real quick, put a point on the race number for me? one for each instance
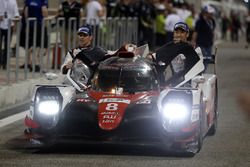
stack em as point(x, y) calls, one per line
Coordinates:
point(112, 106)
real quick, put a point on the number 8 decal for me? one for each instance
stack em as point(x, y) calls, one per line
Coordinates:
point(112, 106)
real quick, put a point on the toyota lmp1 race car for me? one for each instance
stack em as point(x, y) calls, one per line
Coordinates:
point(123, 103)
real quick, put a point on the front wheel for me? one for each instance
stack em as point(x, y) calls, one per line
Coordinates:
point(213, 128)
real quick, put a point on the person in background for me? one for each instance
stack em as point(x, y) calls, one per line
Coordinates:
point(224, 26)
point(235, 27)
point(190, 21)
point(69, 9)
point(95, 10)
point(124, 8)
point(110, 6)
point(203, 35)
point(146, 13)
point(248, 30)
point(34, 9)
point(9, 11)
point(88, 54)
point(171, 19)
point(161, 34)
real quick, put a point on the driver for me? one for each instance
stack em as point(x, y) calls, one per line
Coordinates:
point(88, 54)
point(179, 54)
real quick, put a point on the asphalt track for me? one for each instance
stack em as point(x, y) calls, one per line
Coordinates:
point(230, 147)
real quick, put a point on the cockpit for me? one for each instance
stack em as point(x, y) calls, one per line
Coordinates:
point(127, 73)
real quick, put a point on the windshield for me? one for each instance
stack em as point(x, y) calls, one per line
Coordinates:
point(80, 73)
point(130, 80)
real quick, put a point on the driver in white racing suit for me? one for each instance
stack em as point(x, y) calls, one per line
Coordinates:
point(88, 54)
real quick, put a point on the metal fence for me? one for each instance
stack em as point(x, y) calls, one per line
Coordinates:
point(110, 34)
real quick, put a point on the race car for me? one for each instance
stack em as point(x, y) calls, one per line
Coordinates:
point(122, 102)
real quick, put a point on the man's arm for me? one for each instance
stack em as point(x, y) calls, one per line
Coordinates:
point(67, 64)
point(166, 54)
point(101, 9)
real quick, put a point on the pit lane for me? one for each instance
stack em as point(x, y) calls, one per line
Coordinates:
point(230, 147)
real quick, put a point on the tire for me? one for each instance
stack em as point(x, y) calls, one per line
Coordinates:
point(199, 138)
point(200, 134)
point(213, 128)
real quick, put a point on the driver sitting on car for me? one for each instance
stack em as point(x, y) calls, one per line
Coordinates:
point(88, 54)
point(179, 54)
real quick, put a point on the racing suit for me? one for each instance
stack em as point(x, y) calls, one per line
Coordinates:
point(171, 51)
point(90, 56)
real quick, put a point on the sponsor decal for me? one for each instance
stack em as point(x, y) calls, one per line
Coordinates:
point(83, 100)
point(144, 101)
point(196, 106)
point(111, 111)
point(115, 100)
point(109, 117)
point(112, 95)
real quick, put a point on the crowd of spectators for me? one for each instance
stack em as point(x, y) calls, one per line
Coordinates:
point(156, 19)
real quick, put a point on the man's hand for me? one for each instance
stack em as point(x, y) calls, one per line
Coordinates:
point(151, 56)
point(69, 65)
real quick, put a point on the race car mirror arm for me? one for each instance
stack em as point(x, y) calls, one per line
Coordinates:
point(80, 88)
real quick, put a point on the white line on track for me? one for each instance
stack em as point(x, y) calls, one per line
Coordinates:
point(13, 118)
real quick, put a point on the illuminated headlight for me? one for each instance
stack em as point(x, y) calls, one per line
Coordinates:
point(175, 111)
point(50, 107)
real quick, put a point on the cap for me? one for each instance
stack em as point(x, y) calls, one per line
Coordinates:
point(86, 29)
point(208, 9)
point(181, 25)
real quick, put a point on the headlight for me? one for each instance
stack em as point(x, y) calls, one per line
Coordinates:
point(50, 107)
point(175, 111)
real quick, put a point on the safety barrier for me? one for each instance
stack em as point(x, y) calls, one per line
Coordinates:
point(110, 34)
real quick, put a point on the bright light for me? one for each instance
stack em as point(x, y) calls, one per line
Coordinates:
point(246, 1)
point(112, 91)
point(48, 107)
point(175, 111)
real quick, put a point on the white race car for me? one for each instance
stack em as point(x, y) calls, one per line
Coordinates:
point(124, 103)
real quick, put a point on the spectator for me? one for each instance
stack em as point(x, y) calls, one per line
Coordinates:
point(182, 11)
point(111, 5)
point(248, 30)
point(85, 52)
point(190, 20)
point(69, 9)
point(95, 10)
point(203, 35)
point(146, 13)
point(225, 26)
point(124, 8)
point(161, 34)
point(34, 9)
point(171, 19)
point(235, 27)
point(9, 11)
